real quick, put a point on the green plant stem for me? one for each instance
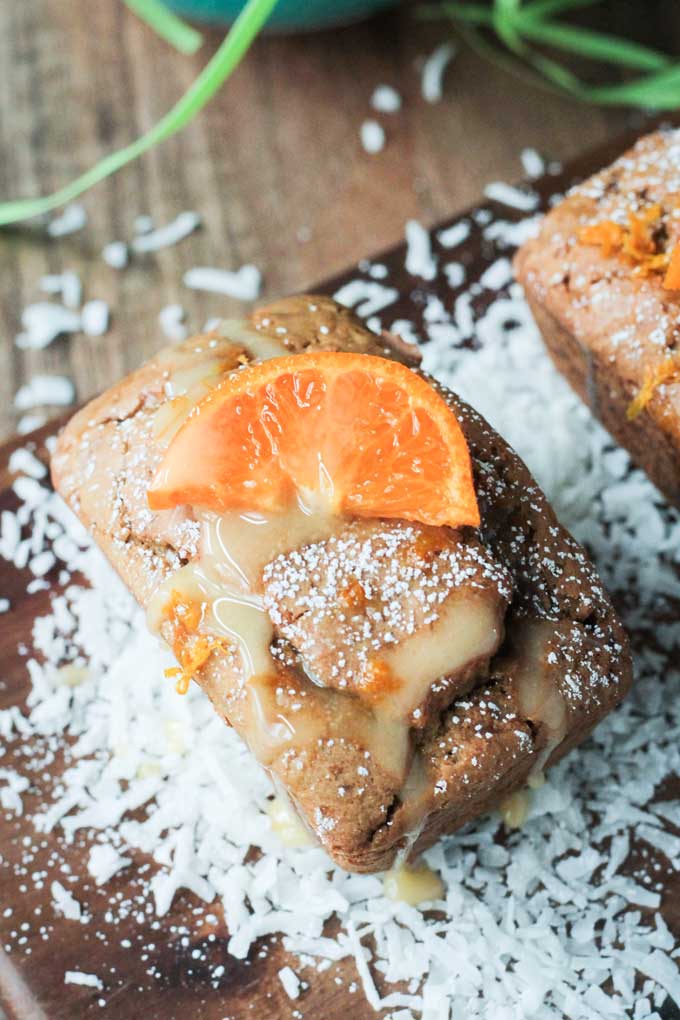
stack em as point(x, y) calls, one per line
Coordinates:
point(519, 25)
point(216, 71)
point(506, 15)
point(594, 45)
point(167, 25)
point(546, 8)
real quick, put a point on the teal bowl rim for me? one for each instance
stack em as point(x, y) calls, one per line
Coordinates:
point(288, 14)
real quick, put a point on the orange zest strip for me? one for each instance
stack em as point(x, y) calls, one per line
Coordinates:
point(667, 371)
point(192, 650)
point(639, 243)
point(635, 241)
point(348, 433)
point(671, 280)
point(607, 235)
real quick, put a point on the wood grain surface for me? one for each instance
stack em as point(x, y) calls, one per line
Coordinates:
point(274, 165)
point(32, 974)
point(275, 168)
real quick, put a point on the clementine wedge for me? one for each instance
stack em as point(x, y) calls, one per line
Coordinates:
point(354, 433)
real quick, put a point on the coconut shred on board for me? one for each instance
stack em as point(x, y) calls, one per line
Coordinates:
point(536, 925)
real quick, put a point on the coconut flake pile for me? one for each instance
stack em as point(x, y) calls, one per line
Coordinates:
point(557, 919)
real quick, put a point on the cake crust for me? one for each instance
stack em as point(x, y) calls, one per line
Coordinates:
point(479, 736)
point(607, 319)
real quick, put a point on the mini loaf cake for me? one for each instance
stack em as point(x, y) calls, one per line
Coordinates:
point(603, 282)
point(397, 679)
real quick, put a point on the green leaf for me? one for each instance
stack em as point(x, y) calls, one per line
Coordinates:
point(556, 73)
point(659, 91)
point(167, 25)
point(540, 9)
point(500, 58)
point(594, 45)
point(505, 17)
point(214, 74)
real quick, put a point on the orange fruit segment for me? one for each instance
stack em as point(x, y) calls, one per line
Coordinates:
point(353, 433)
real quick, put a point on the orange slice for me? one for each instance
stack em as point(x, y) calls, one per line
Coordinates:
point(353, 433)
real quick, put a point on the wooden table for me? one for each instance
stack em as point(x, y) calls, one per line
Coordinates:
point(274, 160)
point(274, 166)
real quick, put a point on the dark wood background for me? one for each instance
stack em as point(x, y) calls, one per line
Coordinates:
point(275, 154)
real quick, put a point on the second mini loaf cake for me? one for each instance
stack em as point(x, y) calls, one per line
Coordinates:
point(396, 679)
point(603, 282)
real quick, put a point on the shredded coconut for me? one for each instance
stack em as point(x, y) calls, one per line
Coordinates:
point(30, 422)
point(65, 903)
point(386, 99)
point(290, 982)
point(419, 258)
point(555, 919)
point(65, 285)
point(143, 224)
point(43, 322)
point(372, 136)
point(508, 195)
point(96, 316)
point(48, 390)
point(116, 254)
point(243, 284)
point(171, 320)
point(72, 219)
point(79, 977)
point(171, 233)
point(432, 78)
point(532, 162)
point(104, 862)
point(454, 235)
point(498, 275)
point(366, 297)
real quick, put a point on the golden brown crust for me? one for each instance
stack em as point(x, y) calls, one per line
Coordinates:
point(473, 752)
point(607, 321)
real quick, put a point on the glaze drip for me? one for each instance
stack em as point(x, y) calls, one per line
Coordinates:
point(410, 616)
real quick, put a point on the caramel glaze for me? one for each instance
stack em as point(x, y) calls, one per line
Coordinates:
point(367, 780)
point(282, 704)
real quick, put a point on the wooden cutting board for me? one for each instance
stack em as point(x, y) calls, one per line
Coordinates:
point(32, 974)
